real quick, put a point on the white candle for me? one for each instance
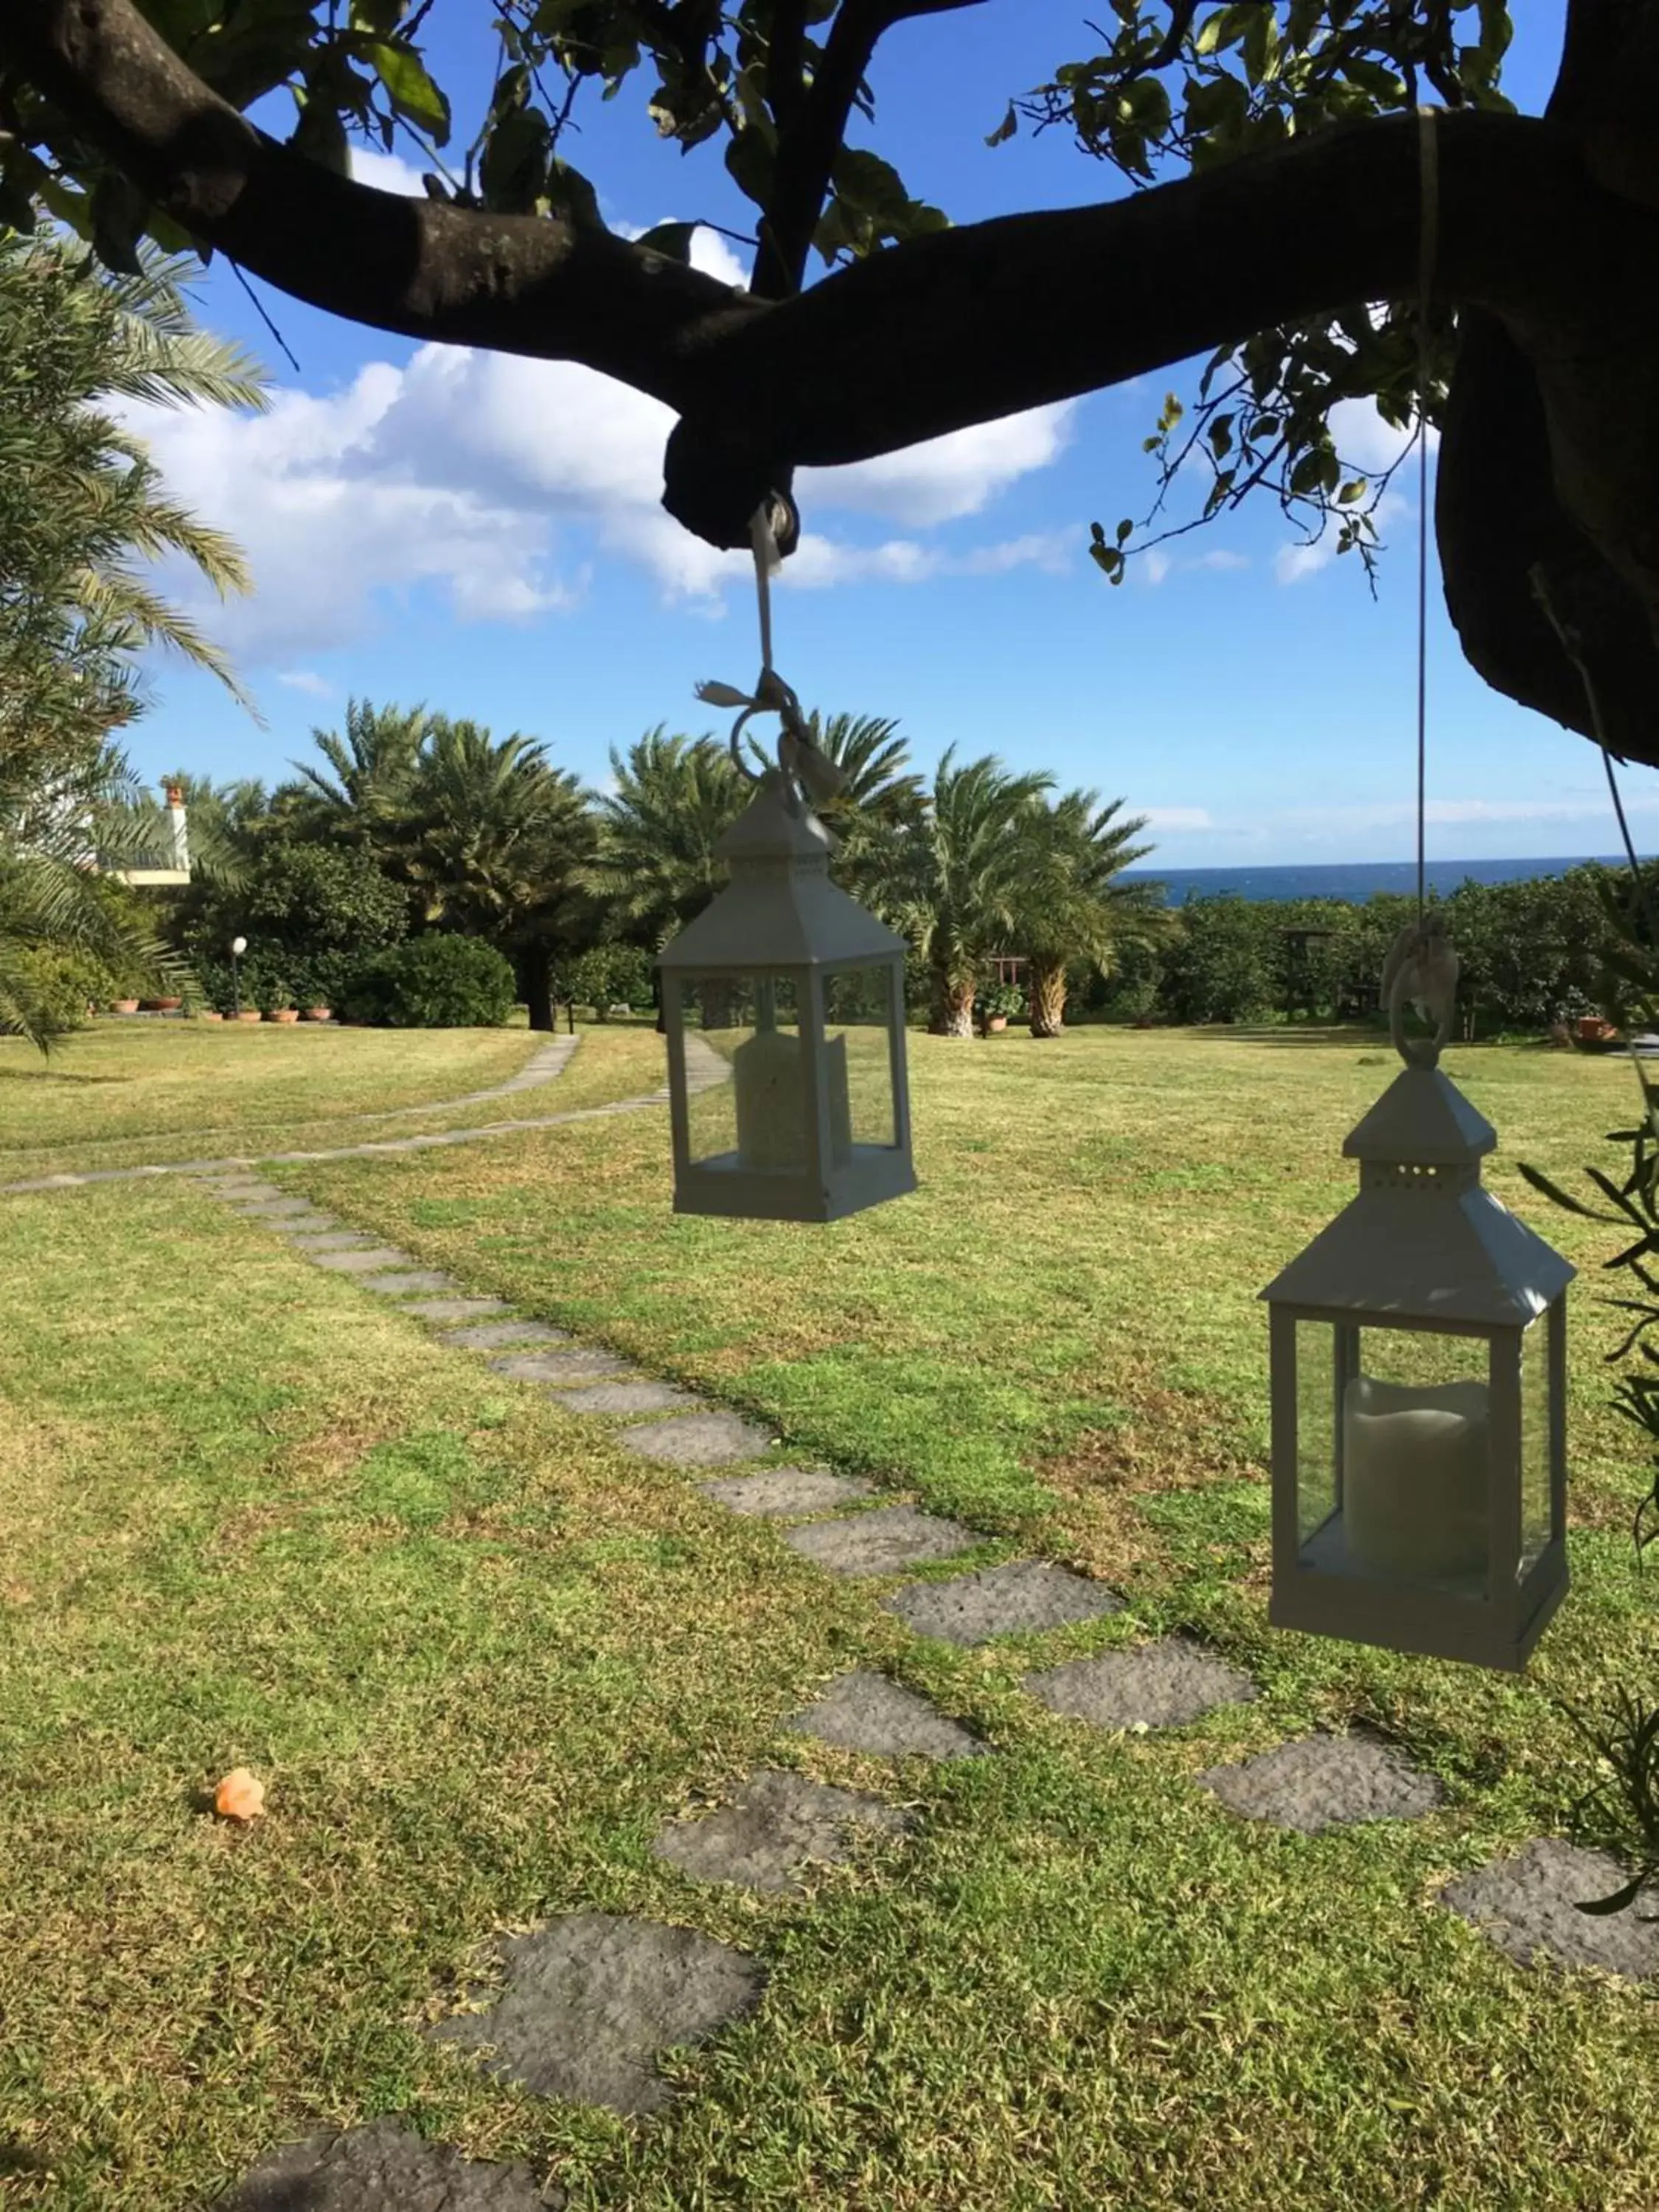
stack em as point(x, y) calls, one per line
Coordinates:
point(840, 1102)
point(1414, 1474)
point(767, 1074)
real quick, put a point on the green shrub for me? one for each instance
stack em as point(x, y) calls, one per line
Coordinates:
point(607, 975)
point(60, 986)
point(436, 982)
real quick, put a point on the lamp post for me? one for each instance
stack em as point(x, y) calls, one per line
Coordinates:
point(238, 947)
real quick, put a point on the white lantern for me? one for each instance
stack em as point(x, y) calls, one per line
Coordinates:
point(800, 992)
point(1418, 1367)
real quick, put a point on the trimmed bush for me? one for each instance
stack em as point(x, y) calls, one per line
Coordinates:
point(435, 982)
point(59, 986)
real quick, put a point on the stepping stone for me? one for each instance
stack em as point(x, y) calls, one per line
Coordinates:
point(375, 1261)
point(385, 2167)
point(589, 2001)
point(313, 1223)
point(1325, 1781)
point(777, 1825)
point(864, 1711)
point(784, 1490)
point(1530, 1904)
point(332, 1240)
point(630, 1398)
point(580, 1362)
point(462, 1309)
point(1155, 1685)
point(1017, 1599)
point(489, 1335)
point(238, 1187)
point(404, 1284)
point(699, 1440)
point(273, 1209)
point(880, 1543)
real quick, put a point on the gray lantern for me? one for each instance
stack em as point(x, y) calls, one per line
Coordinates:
point(784, 1007)
point(1418, 1367)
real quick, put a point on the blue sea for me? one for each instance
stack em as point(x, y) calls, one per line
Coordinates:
point(1355, 880)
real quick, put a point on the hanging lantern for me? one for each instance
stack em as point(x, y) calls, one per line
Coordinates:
point(800, 992)
point(1418, 1367)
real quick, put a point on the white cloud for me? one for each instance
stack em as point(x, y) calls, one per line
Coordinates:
point(1179, 817)
point(387, 173)
point(1221, 559)
point(305, 679)
point(499, 481)
point(710, 252)
point(1155, 566)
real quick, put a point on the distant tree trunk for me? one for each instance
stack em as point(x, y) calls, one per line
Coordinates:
point(1046, 981)
point(952, 1013)
point(536, 980)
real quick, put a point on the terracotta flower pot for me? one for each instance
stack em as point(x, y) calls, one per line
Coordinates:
point(124, 1005)
point(207, 1015)
point(995, 1022)
point(319, 1014)
point(1594, 1029)
point(250, 1014)
point(283, 1014)
point(159, 1005)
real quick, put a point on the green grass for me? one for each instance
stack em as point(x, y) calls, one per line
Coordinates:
point(128, 1094)
point(247, 1515)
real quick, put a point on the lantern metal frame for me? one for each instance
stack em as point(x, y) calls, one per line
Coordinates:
point(1423, 1249)
point(781, 920)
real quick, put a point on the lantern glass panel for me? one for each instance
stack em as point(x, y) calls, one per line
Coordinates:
point(1405, 1415)
point(760, 1121)
point(857, 1017)
point(1535, 1444)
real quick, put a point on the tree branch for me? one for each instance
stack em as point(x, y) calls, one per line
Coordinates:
point(807, 150)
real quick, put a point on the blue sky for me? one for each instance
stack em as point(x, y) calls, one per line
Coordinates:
point(483, 535)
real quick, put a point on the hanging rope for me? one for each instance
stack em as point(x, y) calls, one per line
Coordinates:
point(1422, 966)
point(805, 770)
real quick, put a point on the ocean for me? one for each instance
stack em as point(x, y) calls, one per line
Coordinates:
point(1355, 880)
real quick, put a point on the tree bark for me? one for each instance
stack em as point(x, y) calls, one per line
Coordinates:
point(1046, 983)
point(536, 982)
point(1547, 240)
point(952, 1012)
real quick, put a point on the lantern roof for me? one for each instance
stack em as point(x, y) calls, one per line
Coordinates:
point(1408, 1256)
point(780, 910)
point(1422, 1118)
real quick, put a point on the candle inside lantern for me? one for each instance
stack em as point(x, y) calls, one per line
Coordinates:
point(840, 1102)
point(767, 1074)
point(1415, 1465)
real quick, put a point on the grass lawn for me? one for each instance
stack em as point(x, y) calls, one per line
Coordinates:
point(126, 1094)
point(248, 1515)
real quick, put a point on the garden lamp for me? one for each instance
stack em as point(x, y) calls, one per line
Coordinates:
point(238, 947)
point(801, 994)
point(1418, 1355)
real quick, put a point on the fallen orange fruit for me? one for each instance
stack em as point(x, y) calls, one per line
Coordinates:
point(239, 1797)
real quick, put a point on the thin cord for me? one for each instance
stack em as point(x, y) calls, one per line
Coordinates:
point(1429, 164)
point(259, 309)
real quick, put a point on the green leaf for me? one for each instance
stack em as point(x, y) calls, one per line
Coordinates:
point(16, 208)
point(320, 136)
point(380, 18)
point(868, 183)
point(118, 223)
point(672, 239)
point(1620, 1901)
point(1351, 491)
point(1004, 129)
point(411, 90)
point(749, 163)
point(1125, 530)
point(1556, 1195)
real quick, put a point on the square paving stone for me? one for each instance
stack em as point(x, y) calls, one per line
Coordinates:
point(631, 1398)
point(385, 2167)
point(880, 1543)
point(1528, 1906)
point(1325, 1781)
point(456, 1308)
point(578, 1364)
point(777, 1825)
point(312, 1222)
point(331, 1240)
point(1016, 1599)
point(404, 1282)
point(864, 1711)
point(589, 2001)
point(491, 1335)
point(273, 1209)
point(1161, 1685)
point(375, 1261)
point(699, 1440)
point(785, 1490)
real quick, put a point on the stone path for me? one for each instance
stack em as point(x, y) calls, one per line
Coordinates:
point(585, 2004)
point(704, 1069)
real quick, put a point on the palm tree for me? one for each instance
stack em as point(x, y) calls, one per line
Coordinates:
point(373, 765)
point(488, 830)
point(1073, 909)
point(877, 810)
point(960, 902)
point(674, 799)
